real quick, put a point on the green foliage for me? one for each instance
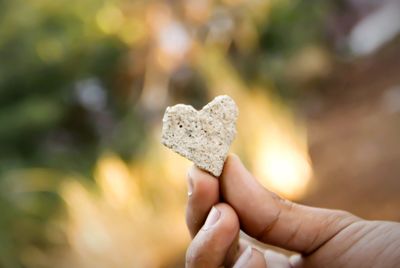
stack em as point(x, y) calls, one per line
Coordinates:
point(46, 47)
point(291, 27)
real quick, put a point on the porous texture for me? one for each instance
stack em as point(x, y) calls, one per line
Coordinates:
point(202, 136)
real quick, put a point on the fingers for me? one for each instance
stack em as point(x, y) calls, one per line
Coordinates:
point(251, 257)
point(203, 194)
point(270, 219)
point(213, 242)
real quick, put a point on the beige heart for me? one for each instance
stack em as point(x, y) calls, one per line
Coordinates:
point(202, 136)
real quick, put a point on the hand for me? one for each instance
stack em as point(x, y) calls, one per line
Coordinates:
point(322, 237)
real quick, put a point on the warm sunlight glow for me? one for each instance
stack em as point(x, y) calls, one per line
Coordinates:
point(100, 230)
point(114, 178)
point(283, 169)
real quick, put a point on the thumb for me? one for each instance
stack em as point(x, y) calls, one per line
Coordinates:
point(273, 220)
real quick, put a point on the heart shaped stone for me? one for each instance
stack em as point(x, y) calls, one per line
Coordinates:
point(204, 136)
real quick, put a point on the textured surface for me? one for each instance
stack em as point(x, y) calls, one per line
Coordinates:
point(202, 136)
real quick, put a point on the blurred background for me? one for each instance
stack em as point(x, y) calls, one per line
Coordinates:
point(84, 180)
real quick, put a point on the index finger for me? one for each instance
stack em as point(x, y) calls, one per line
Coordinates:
point(273, 220)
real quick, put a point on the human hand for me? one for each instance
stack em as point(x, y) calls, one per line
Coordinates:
point(218, 208)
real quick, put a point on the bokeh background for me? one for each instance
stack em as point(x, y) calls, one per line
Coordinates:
point(84, 180)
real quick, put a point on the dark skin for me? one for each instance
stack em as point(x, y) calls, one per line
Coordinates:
point(322, 237)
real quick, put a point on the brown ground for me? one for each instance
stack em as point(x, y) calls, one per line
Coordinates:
point(354, 136)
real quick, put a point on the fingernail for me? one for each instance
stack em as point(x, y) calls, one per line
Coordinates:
point(212, 218)
point(190, 185)
point(245, 257)
point(192, 171)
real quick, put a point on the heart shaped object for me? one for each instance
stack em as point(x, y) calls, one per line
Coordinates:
point(202, 136)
